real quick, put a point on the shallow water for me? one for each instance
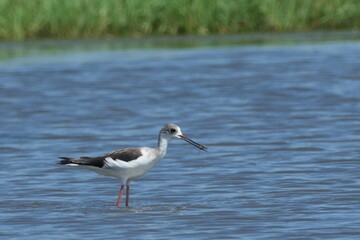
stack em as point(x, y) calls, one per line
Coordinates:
point(282, 124)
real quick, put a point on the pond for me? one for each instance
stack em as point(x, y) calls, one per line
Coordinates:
point(280, 118)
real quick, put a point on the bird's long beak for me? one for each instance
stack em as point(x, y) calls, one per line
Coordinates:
point(199, 146)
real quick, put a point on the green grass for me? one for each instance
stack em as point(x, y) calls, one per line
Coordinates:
point(32, 19)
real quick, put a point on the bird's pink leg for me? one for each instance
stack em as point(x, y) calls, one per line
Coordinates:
point(119, 197)
point(127, 195)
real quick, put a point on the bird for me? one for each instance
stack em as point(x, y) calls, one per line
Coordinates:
point(130, 163)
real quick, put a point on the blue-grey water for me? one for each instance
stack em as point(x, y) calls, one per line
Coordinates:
point(281, 121)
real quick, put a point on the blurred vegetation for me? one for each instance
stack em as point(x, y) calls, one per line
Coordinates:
point(32, 19)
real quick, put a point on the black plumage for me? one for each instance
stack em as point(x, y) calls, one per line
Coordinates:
point(126, 155)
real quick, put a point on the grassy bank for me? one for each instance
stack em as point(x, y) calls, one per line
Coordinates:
point(31, 19)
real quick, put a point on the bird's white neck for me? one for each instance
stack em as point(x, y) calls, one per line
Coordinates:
point(162, 145)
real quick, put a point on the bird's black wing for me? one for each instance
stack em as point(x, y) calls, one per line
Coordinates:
point(125, 155)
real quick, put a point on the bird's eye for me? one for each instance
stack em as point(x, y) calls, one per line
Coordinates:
point(172, 130)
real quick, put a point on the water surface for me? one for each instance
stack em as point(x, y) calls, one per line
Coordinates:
point(281, 121)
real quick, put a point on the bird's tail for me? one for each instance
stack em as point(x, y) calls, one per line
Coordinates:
point(65, 160)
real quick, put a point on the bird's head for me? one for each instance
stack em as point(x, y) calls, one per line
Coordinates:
point(170, 131)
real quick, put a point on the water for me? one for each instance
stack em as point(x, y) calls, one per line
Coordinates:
point(281, 121)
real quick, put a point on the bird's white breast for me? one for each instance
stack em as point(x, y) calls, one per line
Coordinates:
point(132, 169)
